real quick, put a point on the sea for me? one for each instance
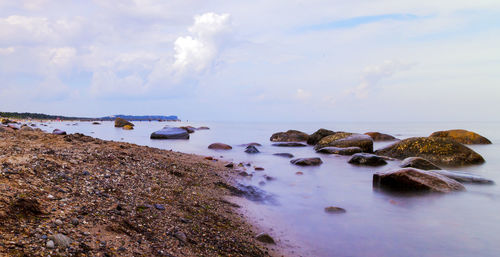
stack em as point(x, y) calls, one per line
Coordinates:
point(376, 223)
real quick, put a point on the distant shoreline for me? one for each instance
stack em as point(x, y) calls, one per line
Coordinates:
point(44, 117)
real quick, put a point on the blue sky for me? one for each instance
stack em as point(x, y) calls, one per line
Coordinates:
point(253, 61)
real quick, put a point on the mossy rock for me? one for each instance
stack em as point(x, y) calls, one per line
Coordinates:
point(315, 137)
point(119, 123)
point(128, 127)
point(289, 136)
point(438, 150)
point(344, 140)
point(377, 136)
point(462, 136)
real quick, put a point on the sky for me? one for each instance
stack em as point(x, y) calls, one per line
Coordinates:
point(261, 60)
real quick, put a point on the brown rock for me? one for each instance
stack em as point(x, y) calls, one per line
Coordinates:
point(418, 163)
point(315, 137)
point(334, 209)
point(462, 136)
point(119, 122)
point(220, 146)
point(289, 136)
point(343, 140)
point(307, 161)
point(377, 136)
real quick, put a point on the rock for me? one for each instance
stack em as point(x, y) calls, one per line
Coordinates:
point(265, 238)
point(343, 140)
point(75, 221)
point(159, 206)
point(61, 240)
point(289, 144)
point(203, 128)
point(289, 136)
point(229, 165)
point(258, 168)
point(251, 149)
point(269, 178)
point(410, 179)
point(189, 129)
point(464, 177)
point(244, 174)
point(367, 159)
point(286, 155)
point(50, 244)
point(170, 133)
point(119, 122)
point(58, 132)
point(26, 128)
point(128, 127)
point(315, 137)
point(462, 136)
point(58, 222)
point(181, 236)
point(220, 146)
point(418, 163)
point(307, 161)
point(340, 150)
point(438, 150)
point(333, 209)
point(96, 123)
point(299, 173)
point(377, 136)
point(250, 144)
point(6, 121)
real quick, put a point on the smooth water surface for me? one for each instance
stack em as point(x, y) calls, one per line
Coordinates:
point(376, 223)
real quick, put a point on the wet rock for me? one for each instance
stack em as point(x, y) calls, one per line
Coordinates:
point(61, 240)
point(307, 161)
point(265, 238)
point(96, 123)
point(315, 137)
point(229, 165)
point(244, 174)
point(410, 179)
point(438, 150)
point(119, 123)
point(418, 163)
point(289, 136)
point(203, 128)
point(462, 136)
point(259, 168)
point(286, 155)
point(367, 159)
point(50, 244)
point(58, 132)
point(251, 144)
point(299, 173)
point(289, 144)
point(269, 178)
point(464, 177)
point(251, 149)
point(128, 127)
point(377, 136)
point(220, 146)
point(249, 192)
point(340, 150)
point(170, 133)
point(333, 209)
point(189, 129)
point(343, 140)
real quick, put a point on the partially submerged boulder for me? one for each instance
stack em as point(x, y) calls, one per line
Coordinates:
point(418, 163)
point(410, 179)
point(251, 149)
point(438, 150)
point(289, 136)
point(340, 150)
point(367, 159)
point(462, 136)
point(220, 146)
point(119, 123)
point(170, 133)
point(464, 177)
point(286, 155)
point(343, 140)
point(307, 161)
point(315, 137)
point(59, 132)
point(377, 136)
point(189, 129)
point(289, 144)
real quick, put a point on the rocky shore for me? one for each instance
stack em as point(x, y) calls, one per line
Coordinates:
point(74, 195)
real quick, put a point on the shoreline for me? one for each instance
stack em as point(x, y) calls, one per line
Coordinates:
point(116, 199)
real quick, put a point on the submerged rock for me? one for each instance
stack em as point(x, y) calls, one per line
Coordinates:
point(170, 133)
point(289, 136)
point(340, 150)
point(251, 149)
point(58, 132)
point(462, 136)
point(307, 161)
point(189, 129)
point(410, 179)
point(251, 144)
point(265, 238)
point(367, 159)
point(286, 155)
point(334, 209)
point(289, 144)
point(220, 146)
point(418, 163)
point(315, 137)
point(438, 150)
point(377, 136)
point(343, 140)
point(464, 177)
point(128, 127)
point(119, 122)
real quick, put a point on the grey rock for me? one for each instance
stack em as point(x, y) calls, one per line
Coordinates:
point(170, 133)
point(289, 144)
point(367, 159)
point(286, 155)
point(464, 177)
point(307, 161)
point(334, 209)
point(418, 163)
point(251, 149)
point(181, 236)
point(340, 150)
point(50, 244)
point(61, 240)
point(265, 238)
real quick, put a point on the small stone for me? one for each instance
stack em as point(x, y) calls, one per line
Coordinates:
point(75, 221)
point(258, 168)
point(265, 238)
point(181, 236)
point(50, 244)
point(159, 207)
point(229, 165)
point(333, 209)
point(58, 222)
point(299, 173)
point(85, 173)
point(61, 240)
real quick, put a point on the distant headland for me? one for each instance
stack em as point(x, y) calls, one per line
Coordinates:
point(41, 116)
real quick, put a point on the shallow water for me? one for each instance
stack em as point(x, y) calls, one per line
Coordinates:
point(376, 223)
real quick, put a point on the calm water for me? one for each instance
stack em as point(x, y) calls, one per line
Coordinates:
point(376, 223)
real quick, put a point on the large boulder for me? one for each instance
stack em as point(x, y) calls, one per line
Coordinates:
point(340, 150)
point(58, 132)
point(170, 133)
point(377, 136)
point(418, 163)
point(462, 136)
point(318, 135)
point(307, 161)
point(220, 146)
point(410, 179)
point(438, 150)
point(367, 159)
point(289, 136)
point(343, 139)
point(464, 177)
point(119, 123)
